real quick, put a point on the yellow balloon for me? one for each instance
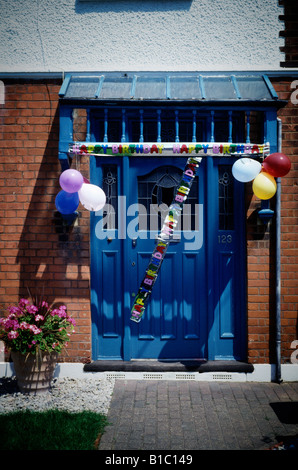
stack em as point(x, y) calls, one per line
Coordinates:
point(264, 185)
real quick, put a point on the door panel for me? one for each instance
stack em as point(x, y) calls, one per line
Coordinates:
point(106, 264)
point(191, 301)
point(110, 283)
point(229, 289)
point(226, 288)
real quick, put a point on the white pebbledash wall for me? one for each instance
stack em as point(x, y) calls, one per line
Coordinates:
point(151, 35)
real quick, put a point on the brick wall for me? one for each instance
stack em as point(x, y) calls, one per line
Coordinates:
point(289, 219)
point(261, 252)
point(289, 19)
point(37, 250)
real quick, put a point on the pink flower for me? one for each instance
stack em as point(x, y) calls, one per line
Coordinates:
point(23, 303)
point(14, 310)
point(11, 316)
point(24, 325)
point(34, 329)
point(10, 323)
point(32, 309)
point(12, 335)
point(61, 312)
point(39, 317)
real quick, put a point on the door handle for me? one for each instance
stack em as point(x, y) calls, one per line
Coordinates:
point(134, 242)
point(173, 240)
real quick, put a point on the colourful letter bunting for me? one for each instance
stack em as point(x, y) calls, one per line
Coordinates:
point(164, 239)
point(154, 149)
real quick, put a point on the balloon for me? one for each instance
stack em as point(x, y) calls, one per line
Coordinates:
point(92, 197)
point(67, 203)
point(86, 180)
point(277, 164)
point(246, 169)
point(71, 181)
point(264, 185)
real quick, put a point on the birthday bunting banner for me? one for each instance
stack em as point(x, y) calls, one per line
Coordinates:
point(164, 239)
point(133, 149)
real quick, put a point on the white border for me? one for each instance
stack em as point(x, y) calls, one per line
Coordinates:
point(261, 373)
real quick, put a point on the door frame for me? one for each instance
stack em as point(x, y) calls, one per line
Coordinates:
point(66, 138)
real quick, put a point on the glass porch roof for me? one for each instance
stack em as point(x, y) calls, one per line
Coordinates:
point(137, 87)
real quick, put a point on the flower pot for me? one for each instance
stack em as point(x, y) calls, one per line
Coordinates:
point(34, 373)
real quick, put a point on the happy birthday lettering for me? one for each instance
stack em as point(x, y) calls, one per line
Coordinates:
point(117, 149)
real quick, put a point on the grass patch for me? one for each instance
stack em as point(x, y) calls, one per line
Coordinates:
point(51, 430)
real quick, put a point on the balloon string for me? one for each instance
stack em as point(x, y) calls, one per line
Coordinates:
point(77, 161)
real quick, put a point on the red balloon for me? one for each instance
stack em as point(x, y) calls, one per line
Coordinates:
point(277, 164)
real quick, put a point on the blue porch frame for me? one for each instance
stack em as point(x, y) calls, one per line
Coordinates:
point(196, 105)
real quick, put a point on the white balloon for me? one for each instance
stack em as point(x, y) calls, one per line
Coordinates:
point(92, 197)
point(246, 169)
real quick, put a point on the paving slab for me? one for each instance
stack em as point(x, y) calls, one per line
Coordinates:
point(196, 415)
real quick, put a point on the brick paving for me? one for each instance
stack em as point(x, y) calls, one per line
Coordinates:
point(194, 415)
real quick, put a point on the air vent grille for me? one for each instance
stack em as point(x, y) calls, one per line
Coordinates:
point(152, 376)
point(222, 376)
point(115, 375)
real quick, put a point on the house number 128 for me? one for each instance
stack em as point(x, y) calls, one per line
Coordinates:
point(225, 238)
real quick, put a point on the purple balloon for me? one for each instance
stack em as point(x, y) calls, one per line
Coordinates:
point(71, 181)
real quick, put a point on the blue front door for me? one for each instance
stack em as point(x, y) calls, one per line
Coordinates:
point(197, 309)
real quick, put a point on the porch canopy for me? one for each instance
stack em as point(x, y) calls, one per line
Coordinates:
point(168, 107)
point(192, 87)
